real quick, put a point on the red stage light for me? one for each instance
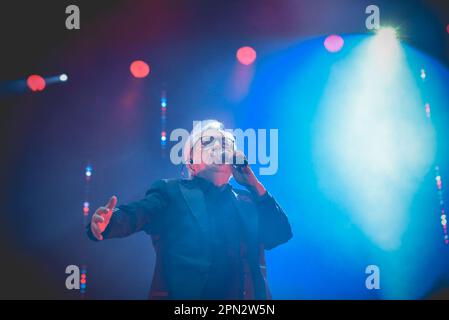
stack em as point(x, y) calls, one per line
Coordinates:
point(139, 69)
point(447, 28)
point(246, 55)
point(36, 82)
point(333, 43)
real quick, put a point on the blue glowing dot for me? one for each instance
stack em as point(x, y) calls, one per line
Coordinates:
point(88, 173)
point(83, 286)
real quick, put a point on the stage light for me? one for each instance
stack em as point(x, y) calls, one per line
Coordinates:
point(139, 69)
point(427, 106)
point(88, 171)
point(163, 102)
point(86, 208)
point(83, 280)
point(63, 77)
point(246, 55)
point(36, 83)
point(387, 33)
point(372, 124)
point(386, 42)
point(423, 74)
point(447, 28)
point(333, 43)
point(439, 183)
point(163, 119)
point(384, 52)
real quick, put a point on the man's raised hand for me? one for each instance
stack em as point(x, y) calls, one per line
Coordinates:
point(101, 218)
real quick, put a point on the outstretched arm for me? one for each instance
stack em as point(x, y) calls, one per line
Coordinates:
point(110, 222)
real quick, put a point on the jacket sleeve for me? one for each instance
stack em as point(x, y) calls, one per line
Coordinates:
point(136, 216)
point(274, 227)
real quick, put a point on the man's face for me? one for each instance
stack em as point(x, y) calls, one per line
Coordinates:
point(212, 153)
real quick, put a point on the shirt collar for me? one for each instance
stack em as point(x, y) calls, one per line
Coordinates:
point(207, 185)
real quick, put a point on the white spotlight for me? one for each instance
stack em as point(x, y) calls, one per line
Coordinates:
point(387, 34)
point(386, 46)
point(63, 77)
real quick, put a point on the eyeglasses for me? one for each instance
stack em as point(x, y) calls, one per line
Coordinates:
point(208, 141)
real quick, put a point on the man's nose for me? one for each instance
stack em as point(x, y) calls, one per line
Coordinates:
point(217, 145)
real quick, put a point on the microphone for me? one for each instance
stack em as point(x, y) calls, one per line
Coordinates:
point(239, 161)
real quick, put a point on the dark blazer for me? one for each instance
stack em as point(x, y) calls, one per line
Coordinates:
point(174, 213)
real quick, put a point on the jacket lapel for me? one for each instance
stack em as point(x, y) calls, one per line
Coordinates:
point(195, 201)
point(246, 210)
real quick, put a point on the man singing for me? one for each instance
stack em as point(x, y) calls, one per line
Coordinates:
point(209, 237)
